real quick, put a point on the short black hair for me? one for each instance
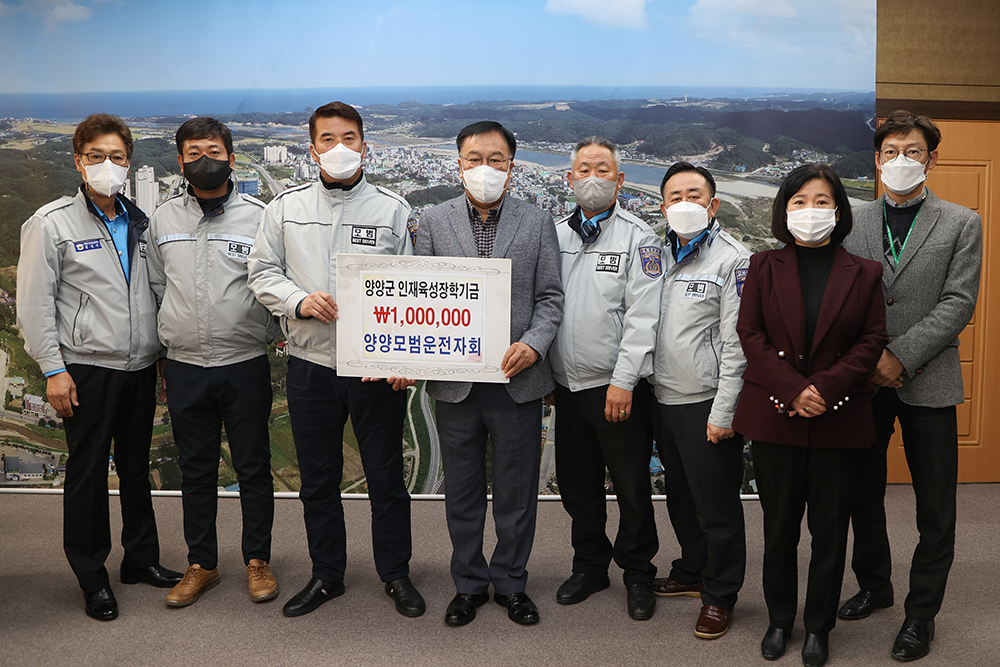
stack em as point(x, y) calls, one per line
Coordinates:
point(485, 127)
point(336, 110)
point(681, 167)
point(203, 128)
point(97, 125)
point(794, 182)
point(904, 122)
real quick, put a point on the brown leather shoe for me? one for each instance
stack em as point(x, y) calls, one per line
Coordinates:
point(195, 582)
point(263, 585)
point(712, 622)
point(668, 588)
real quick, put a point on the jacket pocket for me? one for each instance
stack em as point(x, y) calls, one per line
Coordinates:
point(81, 322)
point(706, 360)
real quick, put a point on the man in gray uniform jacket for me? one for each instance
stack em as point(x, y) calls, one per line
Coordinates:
point(697, 376)
point(487, 222)
point(931, 251)
point(612, 265)
point(88, 318)
point(293, 271)
point(216, 372)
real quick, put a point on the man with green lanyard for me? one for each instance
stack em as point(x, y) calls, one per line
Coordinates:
point(931, 252)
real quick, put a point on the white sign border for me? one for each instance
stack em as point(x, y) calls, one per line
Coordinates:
point(350, 335)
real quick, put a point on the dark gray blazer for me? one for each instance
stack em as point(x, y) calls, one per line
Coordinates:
point(527, 236)
point(930, 295)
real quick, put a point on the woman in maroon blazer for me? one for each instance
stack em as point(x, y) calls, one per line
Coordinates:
point(812, 325)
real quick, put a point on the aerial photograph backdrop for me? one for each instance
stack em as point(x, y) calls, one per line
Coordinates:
point(749, 89)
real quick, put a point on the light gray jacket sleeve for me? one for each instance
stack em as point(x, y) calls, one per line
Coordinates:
point(733, 362)
point(38, 275)
point(548, 310)
point(941, 326)
point(642, 316)
point(266, 268)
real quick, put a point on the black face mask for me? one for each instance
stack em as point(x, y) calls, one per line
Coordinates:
point(206, 173)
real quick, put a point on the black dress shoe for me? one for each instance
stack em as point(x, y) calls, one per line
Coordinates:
point(581, 586)
point(816, 649)
point(863, 604)
point(462, 608)
point(520, 608)
point(409, 602)
point(641, 601)
point(772, 646)
point(101, 604)
point(914, 640)
point(313, 595)
point(154, 575)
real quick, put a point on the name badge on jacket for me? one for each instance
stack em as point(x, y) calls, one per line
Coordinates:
point(608, 263)
point(363, 235)
point(239, 251)
point(696, 290)
point(92, 244)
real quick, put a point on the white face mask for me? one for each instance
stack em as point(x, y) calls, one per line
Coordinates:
point(901, 174)
point(594, 193)
point(687, 219)
point(340, 162)
point(105, 178)
point(811, 225)
point(484, 183)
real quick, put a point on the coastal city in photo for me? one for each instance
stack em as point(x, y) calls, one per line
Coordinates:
point(411, 151)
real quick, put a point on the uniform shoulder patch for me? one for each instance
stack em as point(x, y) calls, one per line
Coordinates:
point(652, 260)
point(741, 277)
point(411, 227)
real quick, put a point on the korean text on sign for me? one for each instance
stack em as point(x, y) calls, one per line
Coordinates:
point(407, 319)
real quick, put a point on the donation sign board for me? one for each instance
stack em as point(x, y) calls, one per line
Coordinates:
point(425, 318)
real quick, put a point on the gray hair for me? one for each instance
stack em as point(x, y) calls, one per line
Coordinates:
point(597, 141)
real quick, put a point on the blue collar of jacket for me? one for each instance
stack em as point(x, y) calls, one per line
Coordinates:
point(137, 220)
point(576, 223)
point(692, 250)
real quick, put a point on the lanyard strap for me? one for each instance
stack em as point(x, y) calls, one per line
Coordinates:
point(888, 230)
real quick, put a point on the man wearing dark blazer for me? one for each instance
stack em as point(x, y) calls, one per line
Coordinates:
point(488, 222)
point(931, 251)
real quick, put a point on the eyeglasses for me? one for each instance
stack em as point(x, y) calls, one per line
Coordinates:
point(912, 153)
point(495, 162)
point(96, 158)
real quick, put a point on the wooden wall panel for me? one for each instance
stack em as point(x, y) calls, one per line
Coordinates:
point(935, 50)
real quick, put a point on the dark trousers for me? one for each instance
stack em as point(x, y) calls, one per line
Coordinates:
point(587, 443)
point(791, 480)
point(201, 402)
point(702, 481)
point(515, 430)
point(319, 403)
point(930, 441)
point(114, 405)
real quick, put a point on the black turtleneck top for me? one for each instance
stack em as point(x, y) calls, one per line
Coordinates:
point(814, 271)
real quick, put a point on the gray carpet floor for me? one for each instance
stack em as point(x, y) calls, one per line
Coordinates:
point(42, 620)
